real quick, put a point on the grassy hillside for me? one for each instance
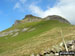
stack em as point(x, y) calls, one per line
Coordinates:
point(39, 37)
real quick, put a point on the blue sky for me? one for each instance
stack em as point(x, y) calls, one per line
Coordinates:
point(11, 10)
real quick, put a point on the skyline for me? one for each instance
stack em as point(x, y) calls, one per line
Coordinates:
point(12, 10)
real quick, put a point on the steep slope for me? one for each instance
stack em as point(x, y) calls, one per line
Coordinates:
point(37, 36)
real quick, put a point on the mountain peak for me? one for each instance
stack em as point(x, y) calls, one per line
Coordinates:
point(29, 16)
point(56, 17)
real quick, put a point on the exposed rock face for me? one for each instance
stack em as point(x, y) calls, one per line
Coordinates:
point(25, 29)
point(17, 22)
point(28, 18)
point(9, 32)
point(59, 18)
point(31, 18)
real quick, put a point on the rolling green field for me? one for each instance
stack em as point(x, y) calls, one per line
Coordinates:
point(39, 37)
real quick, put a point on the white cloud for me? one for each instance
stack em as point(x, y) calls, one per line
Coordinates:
point(17, 5)
point(36, 10)
point(65, 8)
point(23, 1)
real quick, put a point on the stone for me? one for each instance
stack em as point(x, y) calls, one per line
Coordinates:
point(25, 29)
point(17, 22)
point(9, 32)
point(15, 34)
point(37, 55)
point(32, 55)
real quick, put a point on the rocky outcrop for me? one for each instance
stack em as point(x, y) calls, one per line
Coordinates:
point(31, 18)
point(59, 18)
point(9, 32)
point(17, 22)
point(28, 18)
point(25, 29)
point(55, 52)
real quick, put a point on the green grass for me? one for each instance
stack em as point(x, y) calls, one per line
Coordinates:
point(9, 43)
point(39, 26)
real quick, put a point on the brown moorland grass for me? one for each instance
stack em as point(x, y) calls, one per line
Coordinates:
point(43, 42)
